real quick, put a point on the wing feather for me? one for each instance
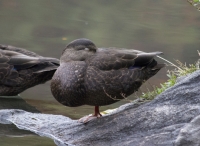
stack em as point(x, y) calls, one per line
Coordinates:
point(13, 60)
point(109, 59)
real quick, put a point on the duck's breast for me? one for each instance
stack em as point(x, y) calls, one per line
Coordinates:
point(67, 84)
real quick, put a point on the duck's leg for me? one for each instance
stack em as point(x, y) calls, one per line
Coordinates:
point(88, 118)
point(96, 111)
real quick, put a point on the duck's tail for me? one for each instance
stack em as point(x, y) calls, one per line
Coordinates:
point(49, 59)
point(144, 59)
point(152, 68)
point(48, 64)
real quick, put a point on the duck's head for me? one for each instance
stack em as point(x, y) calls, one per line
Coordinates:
point(78, 50)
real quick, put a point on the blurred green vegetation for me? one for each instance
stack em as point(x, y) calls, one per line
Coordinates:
point(180, 72)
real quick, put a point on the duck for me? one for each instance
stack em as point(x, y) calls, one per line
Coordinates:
point(21, 69)
point(93, 76)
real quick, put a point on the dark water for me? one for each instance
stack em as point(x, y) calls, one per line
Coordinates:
point(46, 26)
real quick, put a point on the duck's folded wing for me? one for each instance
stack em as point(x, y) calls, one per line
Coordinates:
point(22, 58)
point(8, 75)
point(19, 50)
point(118, 74)
point(11, 63)
point(108, 59)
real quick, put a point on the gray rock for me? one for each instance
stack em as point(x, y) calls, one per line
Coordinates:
point(190, 134)
point(171, 119)
point(181, 78)
point(15, 102)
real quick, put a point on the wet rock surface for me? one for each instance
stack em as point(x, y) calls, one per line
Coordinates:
point(171, 119)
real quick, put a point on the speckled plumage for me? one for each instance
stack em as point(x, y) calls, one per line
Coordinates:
point(95, 76)
point(21, 69)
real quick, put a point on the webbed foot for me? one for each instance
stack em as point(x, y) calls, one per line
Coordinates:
point(88, 118)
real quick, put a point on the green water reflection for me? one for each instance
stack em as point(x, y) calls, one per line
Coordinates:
point(46, 26)
point(30, 140)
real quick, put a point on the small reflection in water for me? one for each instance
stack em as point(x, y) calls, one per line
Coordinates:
point(15, 102)
point(10, 135)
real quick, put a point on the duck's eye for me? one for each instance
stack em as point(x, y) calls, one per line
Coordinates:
point(87, 49)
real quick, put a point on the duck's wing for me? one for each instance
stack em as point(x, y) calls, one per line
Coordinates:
point(9, 76)
point(118, 73)
point(110, 58)
point(19, 50)
point(12, 62)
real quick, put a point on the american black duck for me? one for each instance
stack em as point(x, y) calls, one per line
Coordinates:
point(21, 69)
point(97, 76)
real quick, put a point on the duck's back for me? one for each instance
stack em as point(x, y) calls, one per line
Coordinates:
point(21, 69)
point(115, 74)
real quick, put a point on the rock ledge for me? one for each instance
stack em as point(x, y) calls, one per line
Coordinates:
point(171, 119)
